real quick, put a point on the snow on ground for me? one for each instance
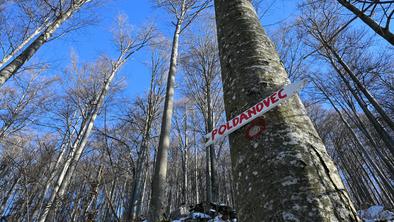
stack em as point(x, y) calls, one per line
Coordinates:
point(376, 213)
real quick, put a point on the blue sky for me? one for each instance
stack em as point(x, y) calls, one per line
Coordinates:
point(94, 40)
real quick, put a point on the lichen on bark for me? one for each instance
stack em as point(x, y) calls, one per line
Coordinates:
point(286, 173)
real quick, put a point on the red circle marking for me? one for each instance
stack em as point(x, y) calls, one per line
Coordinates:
point(255, 128)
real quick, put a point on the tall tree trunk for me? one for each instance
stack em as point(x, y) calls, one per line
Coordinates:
point(197, 193)
point(378, 127)
point(214, 189)
point(90, 212)
point(137, 187)
point(7, 196)
point(286, 174)
point(140, 206)
point(160, 174)
point(208, 182)
point(356, 139)
point(185, 162)
point(78, 147)
point(26, 41)
point(185, 177)
point(382, 31)
point(13, 66)
point(360, 86)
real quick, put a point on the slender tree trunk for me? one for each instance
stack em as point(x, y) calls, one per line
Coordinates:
point(13, 66)
point(197, 192)
point(286, 174)
point(375, 123)
point(7, 196)
point(78, 147)
point(357, 121)
point(90, 211)
point(109, 200)
point(159, 178)
point(356, 139)
point(138, 182)
point(185, 162)
point(184, 178)
point(26, 41)
point(363, 89)
point(140, 206)
point(208, 182)
point(214, 189)
point(382, 31)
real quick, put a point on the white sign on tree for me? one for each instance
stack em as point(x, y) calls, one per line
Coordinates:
point(255, 111)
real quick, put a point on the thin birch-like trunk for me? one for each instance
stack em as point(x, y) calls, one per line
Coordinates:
point(360, 86)
point(375, 123)
point(14, 65)
point(15, 51)
point(159, 178)
point(382, 31)
point(78, 147)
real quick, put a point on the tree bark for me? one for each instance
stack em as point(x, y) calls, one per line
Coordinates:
point(214, 189)
point(26, 41)
point(286, 174)
point(160, 174)
point(359, 85)
point(378, 127)
point(382, 31)
point(78, 147)
point(13, 66)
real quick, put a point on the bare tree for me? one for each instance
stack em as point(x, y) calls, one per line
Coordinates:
point(376, 14)
point(184, 11)
point(201, 61)
point(59, 12)
point(93, 94)
point(321, 29)
point(150, 109)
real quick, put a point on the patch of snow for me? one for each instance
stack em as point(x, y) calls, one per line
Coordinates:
point(375, 213)
point(289, 181)
point(200, 216)
point(289, 216)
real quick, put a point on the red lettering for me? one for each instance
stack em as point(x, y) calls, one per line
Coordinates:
point(273, 98)
point(251, 111)
point(259, 107)
point(235, 121)
point(281, 96)
point(267, 102)
point(222, 129)
point(214, 133)
point(228, 126)
point(243, 117)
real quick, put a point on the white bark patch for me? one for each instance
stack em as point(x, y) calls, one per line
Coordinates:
point(296, 207)
point(268, 205)
point(289, 216)
point(257, 67)
point(289, 181)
